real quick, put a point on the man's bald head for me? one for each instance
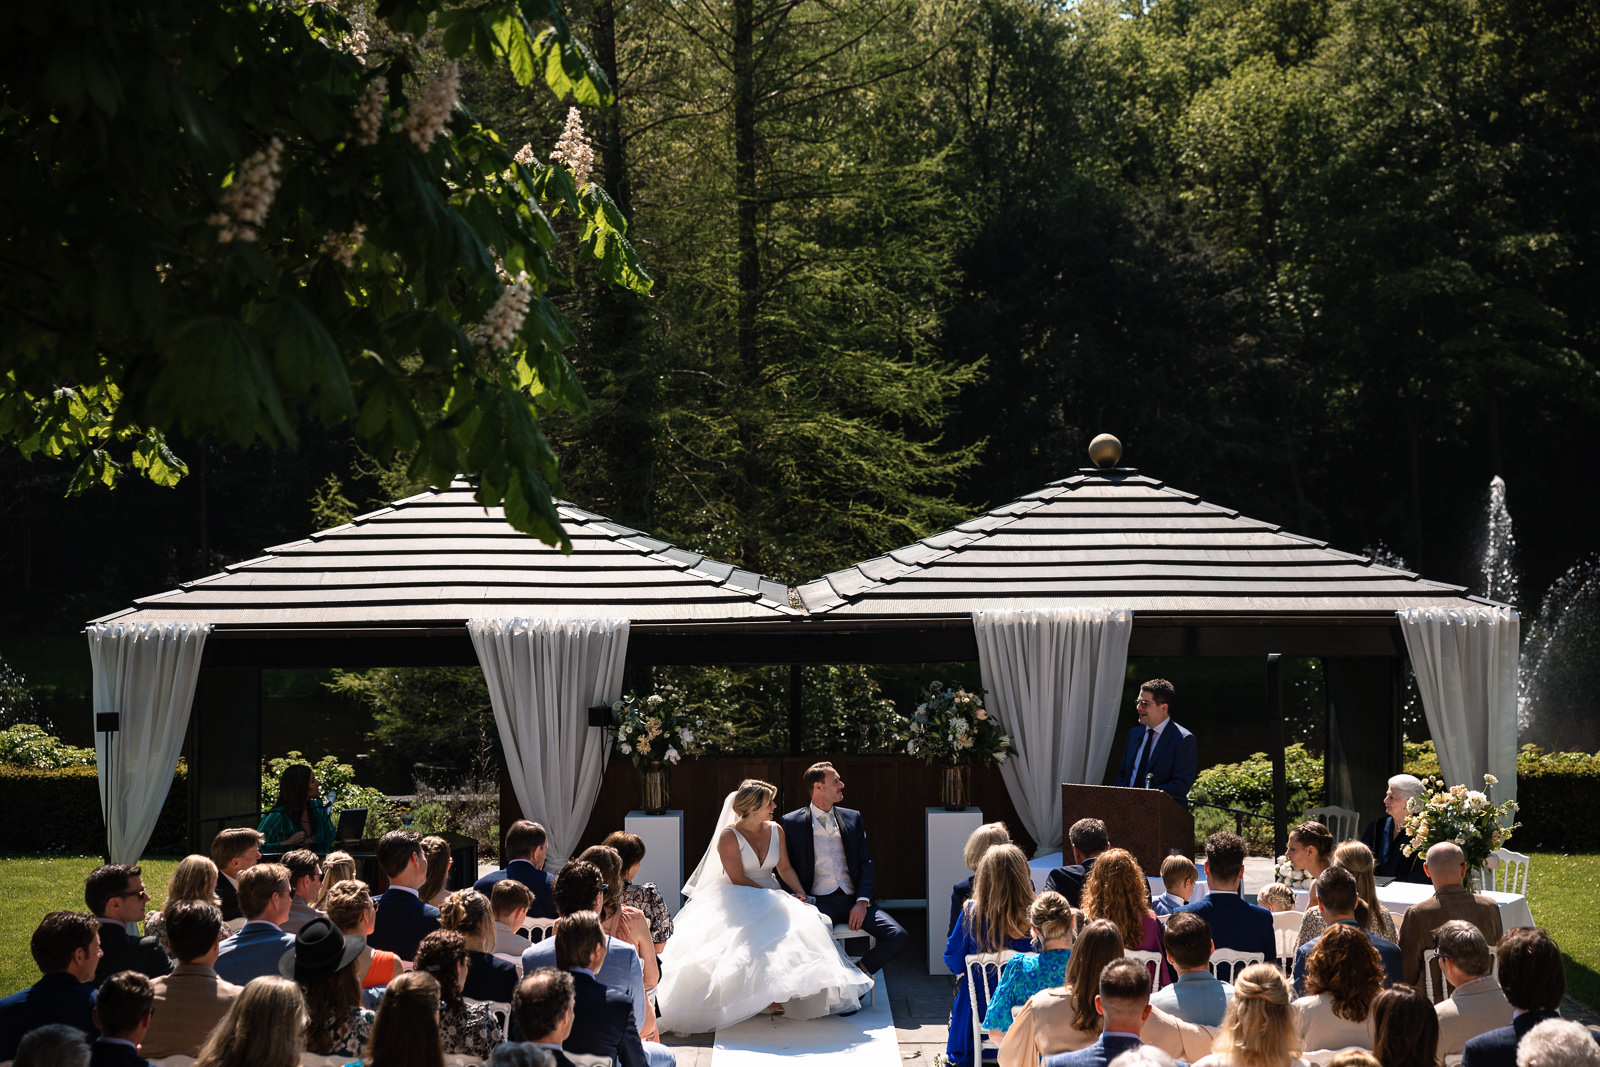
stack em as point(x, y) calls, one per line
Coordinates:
point(1446, 863)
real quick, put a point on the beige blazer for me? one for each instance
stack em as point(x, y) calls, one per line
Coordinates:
point(189, 1001)
point(1426, 916)
point(1043, 1027)
point(1320, 1028)
point(1476, 1007)
point(300, 913)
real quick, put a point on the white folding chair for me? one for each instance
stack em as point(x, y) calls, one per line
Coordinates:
point(515, 961)
point(500, 1010)
point(844, 935)
point(1152, 962)
point(538, 929)
point(461, 1059)
point(1344, 823)
point(1512, 874)
point(977, 971)
point(1286, 939)
point(1234, 960)
point(588, 1059)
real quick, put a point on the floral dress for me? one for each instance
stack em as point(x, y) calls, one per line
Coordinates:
point(469, 1030)
point(1313, 925)
point(1025, 974)
point(647, 898)
point(354, 1041)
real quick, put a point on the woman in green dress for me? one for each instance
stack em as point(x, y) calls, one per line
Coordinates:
point(299, 819)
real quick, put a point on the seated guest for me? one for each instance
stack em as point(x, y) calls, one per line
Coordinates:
point(55, 1045)
point(122, 1012)
point(1178, 876)
point(1534, 982)
point(1475, 1005)
point(526, 844)
point(234, 851)
point(521, 1054)
point(1144, 1056)
point(436, 850)
point(1342, 979)
point(621, 921)
point(406, 1033)
point(1259, 1029)
point(996, 918)
point(602, 1023)
point(1196, 995)
point(195, 878)
point(1446, 867)
point(1123, 1004)
point(336, 867)
point(305, 882)
point(1558, 1043)
point(190, 1000)
point(464, 1029)
point(1387, 836)
point(467, 912)
point(260, 943)
point(352, 911)
point(1407, 1028)
point(66, 949)
point(510, 901)
point(979, 841)
point(1117, 889)
point(1356, 858)
point(115, 893)
point(323, 963)
point(543, 1008)
point(264, 1027)
point(1337, 889)
point(647, 898)
point(404, 918)
point(1086, 838)
point(1235, 923)
point(1026, 973)
point(579, 887)
point(1275, 897)
point(299, 818)
point(1310, 850)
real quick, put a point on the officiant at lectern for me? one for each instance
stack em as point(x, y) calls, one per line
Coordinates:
point(1158, 753)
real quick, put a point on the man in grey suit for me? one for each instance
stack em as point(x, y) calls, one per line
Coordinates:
point(1476, 1005)
point(305, 879)
point(264, 899)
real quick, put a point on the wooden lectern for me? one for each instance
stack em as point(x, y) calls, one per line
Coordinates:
point(1146, 822)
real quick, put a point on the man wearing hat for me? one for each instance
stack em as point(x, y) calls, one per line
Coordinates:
point(338, 1025)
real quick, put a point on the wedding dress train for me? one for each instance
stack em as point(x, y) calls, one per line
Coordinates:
point(736, 949)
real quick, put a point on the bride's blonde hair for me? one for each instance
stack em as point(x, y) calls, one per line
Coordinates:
point(752, 795)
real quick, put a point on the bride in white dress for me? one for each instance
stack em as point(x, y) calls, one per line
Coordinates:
point(742, 943)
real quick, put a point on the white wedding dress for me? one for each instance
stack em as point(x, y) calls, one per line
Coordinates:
point(736, 949)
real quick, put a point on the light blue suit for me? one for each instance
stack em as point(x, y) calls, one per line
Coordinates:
point(252, 952)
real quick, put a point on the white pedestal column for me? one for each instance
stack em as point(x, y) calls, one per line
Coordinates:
point(947, 837)
point(663, 853)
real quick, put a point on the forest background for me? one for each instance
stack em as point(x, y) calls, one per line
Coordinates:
point(1332, 263)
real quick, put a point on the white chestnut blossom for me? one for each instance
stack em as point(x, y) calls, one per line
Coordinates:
point(573, 150)
point(372, 111)
point(430, 111)
point(525, 155)
point(343, 247)
point(499, 327)
point(246, 202)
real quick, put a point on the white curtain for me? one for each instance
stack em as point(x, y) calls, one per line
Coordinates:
point(145, 673)
point(1466, 666)
point(1054, 677)
point(544, 675)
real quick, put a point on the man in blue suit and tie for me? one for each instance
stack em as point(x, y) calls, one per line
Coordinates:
point(1235, 922)
point(827, 847)
point(403, 919)
point(1336, 896)
point(265, 898)
point(1158, 753)
point(526, 843)
point(1124, 1004)
point(1532, 978)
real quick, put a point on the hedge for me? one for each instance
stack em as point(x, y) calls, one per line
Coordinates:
point(1550, 788)
point(59, 811)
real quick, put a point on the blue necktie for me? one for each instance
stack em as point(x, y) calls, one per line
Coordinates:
point(1144, 756)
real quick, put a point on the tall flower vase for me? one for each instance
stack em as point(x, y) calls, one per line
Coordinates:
point(654, 776)
point(955, 788)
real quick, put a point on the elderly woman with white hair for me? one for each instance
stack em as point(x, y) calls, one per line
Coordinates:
point(1385, 836)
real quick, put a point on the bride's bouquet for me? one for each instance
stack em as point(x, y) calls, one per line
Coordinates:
point(1456, 813)
point(951, 726)
point(654, 729)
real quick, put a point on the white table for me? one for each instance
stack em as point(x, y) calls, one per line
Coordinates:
point(1041, 866)
point(1398, 896)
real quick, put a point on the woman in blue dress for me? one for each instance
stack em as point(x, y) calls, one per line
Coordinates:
point(1030, 972)
point(995, 918)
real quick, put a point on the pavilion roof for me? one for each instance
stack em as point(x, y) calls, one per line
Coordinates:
point(1123, 539)
point(441, 558)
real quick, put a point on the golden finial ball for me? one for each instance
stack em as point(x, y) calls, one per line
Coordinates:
point(1105, 451)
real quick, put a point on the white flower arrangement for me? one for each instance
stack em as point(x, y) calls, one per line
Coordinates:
point(951, 726)
point(1290, 875)
point(1455, 813)
point(652, 730)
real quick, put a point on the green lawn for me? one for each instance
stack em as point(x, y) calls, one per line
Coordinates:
point(1564, 895)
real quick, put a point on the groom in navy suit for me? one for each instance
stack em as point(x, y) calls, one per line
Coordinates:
point(827, 848)
point(1159, 754)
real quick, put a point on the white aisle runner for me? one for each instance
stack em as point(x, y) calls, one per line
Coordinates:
point(865, 1039)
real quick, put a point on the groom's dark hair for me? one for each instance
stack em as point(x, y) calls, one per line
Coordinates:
point(576, 887)
point(815, 773)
